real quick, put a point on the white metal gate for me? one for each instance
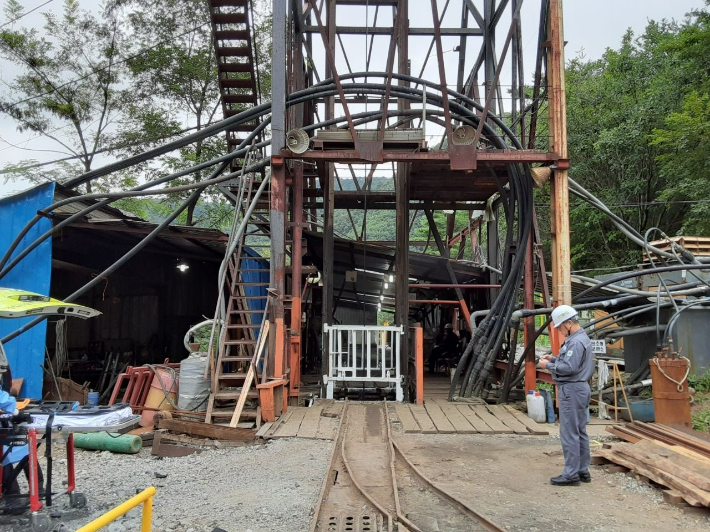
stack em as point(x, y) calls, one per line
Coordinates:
point(364, 356)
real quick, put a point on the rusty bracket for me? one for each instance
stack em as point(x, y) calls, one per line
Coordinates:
point(463, 157)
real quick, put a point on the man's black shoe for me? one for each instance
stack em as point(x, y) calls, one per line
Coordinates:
point(585, 477)
point(564, 481)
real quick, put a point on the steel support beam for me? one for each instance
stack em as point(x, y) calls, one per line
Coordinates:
point(296, 280)
point(491, 156)
point(401, 315)
point(492, 249)
point(559, 193)
point(381, 30)
point(444, 252)
point(277, 214)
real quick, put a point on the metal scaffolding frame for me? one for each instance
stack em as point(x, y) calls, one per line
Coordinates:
point(310, 43)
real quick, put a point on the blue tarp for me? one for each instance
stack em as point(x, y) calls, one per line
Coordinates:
point(26, 352)
point(257, 263)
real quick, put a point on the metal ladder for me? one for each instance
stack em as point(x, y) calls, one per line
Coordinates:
point(244, 286)
point(234, 48)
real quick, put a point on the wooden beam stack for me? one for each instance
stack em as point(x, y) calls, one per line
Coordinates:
point(677, 458)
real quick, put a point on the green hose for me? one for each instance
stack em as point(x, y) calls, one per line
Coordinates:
point(103, 441)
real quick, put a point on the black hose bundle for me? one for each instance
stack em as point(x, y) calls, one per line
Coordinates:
point(463, 109)
point(475, 369)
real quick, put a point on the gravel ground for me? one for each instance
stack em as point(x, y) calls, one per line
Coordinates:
point(506, 478)
point(257, 488)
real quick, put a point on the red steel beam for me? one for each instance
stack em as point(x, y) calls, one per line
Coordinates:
point(491, 156)
point(469, 286)
point(434, 302)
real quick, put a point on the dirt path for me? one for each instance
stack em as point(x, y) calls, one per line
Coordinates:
point(506, 478)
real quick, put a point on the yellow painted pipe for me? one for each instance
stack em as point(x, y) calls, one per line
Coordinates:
point(145, 497)
point(147, 514)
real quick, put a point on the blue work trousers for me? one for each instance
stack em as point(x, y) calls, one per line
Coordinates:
point(574, 404)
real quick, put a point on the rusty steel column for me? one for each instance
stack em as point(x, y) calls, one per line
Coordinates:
point(559, 193)
point(277, 210)
point(296, 281)
point(278, 263)
point(402, 206)
point(328, 183)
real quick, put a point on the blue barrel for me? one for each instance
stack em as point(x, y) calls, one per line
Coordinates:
point(93, 399)
point(549, 407)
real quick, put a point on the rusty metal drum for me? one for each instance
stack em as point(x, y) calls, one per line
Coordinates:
point(671, 398)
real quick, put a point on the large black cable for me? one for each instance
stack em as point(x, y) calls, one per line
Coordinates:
point(120, 262)
point(120, 195)
point(525, 220)
point(409, 94)
point(413, 95)
point(489, 337)
point(650, 271)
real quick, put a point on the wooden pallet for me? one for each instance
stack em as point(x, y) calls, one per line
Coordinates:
point(670, 457)
point(320, 422)
point(697, 245)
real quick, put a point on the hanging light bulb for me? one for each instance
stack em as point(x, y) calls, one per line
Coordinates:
point(382, 298)
point(387, 285)
point(391, 278)
point(183, 266)
point(379, 306)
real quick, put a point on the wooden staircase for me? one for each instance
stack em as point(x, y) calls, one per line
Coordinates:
point(246, 312)
point(238, 79)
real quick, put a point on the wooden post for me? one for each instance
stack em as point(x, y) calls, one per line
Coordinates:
point(559, 192)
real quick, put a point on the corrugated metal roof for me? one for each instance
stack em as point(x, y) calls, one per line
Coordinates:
point(192, 241)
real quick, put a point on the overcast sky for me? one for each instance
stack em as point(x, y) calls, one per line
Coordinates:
point(590, 26)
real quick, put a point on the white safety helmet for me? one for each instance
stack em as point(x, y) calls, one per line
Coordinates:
point(561, 314)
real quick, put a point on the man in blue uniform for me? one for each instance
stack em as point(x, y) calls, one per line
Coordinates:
point(572, 369)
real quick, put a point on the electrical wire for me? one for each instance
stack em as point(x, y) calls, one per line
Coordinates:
point(474, 372)
point(250, 114)
point(25, 14)
point(120, 262)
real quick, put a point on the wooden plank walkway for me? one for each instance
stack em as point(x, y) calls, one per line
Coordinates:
point(436, 416)
point(439, 416)
point(319, 422)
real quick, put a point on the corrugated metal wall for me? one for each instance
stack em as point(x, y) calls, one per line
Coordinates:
point(26, 352)
point(258, 263)
point(352, 316)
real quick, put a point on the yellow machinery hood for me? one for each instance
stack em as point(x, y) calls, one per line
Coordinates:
point(21, 304)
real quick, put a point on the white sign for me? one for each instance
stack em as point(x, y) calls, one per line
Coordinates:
point(599, 347)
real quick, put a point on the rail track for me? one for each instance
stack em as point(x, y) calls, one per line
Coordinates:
point(372, 486)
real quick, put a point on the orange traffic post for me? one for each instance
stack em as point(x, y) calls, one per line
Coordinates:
point(419, 363)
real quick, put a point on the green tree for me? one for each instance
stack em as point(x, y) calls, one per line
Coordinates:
point(614, 106)
point(684, 139)
point(69, 89)
point(174, 78)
